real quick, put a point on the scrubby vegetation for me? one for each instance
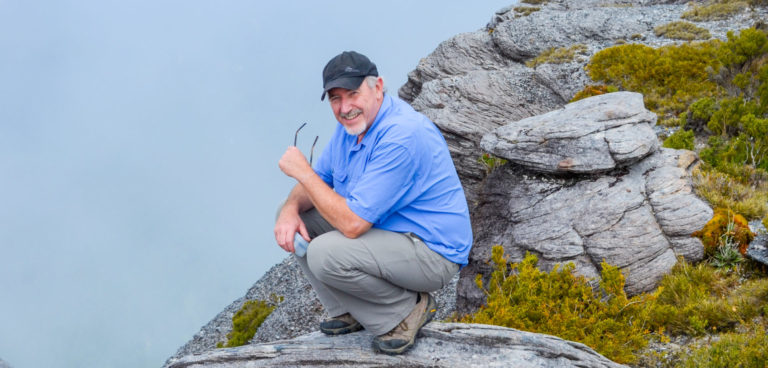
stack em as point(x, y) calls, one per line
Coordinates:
point(695, 300)
point(524, 11)
point(681, 139)
point(714, 10)
point(565, 305)
point(557, 55)
point(747, 350)
point(682, 31)
point(717, 92)
point(247, 320)
point(535, 2)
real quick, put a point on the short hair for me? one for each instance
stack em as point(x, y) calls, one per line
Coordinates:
point(371, 81)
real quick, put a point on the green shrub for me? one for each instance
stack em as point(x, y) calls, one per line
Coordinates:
point(681, 139)
point(747, 350)
point(535, 2)
point(682, 31)
point(247, 320)
point(565, 305)
point(670, 78)
point(557, 55)
point(714, 11)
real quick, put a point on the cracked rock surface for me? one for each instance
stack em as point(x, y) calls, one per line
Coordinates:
point(589, 136)
point(440, 345)
point(638, 218)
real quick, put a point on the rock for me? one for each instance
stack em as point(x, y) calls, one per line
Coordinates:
point(3, 364)
point(758, 248)
point(299, 313)
point(593, 135)
point(476, 82)
point(637, 218)
point(440, 345)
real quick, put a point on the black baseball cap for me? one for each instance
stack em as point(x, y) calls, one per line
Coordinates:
point(347, 70)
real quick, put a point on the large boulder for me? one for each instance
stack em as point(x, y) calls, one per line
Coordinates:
point(631, 204)
point(440, 345)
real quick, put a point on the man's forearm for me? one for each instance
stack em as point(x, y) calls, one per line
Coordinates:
point(298, 200)
point(332, 206)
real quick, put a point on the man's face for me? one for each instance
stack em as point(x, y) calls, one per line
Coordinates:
point(356, 109)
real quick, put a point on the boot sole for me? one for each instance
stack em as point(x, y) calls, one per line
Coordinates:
point(341, 331)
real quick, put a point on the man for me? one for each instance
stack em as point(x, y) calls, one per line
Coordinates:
point(384, 211)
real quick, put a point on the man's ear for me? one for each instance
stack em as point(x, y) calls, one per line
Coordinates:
point(379, 87)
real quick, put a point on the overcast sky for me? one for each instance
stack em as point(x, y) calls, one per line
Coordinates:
point(138, 156)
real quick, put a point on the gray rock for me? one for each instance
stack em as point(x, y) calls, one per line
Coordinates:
point(476, 82)
point(440, 345)
point(3, 364)
point(758, 248)
point(637, 218)
point(592, 135)
point(299, 313)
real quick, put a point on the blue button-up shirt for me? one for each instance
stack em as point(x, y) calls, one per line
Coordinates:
point(401, 178)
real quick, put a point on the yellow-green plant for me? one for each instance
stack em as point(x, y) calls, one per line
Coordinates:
point(557, 55)
point(699, 299)
point(725, 226)
point(680, 30)
point(565, 305)
point(714, 11)
point(525, 11)
point(535, 2)
point(745, 350)
point(725, 190)
point(247, 320)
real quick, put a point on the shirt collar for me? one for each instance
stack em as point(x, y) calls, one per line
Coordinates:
point(383, 112)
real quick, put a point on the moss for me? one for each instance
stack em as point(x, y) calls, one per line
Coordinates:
point(714, 11)
point(525, 11)
point(636, 37)
point(682, 31)
point(593, 90)
point(725, 226)
point(681, 139)
point(534, 2)
point(558, 55)
point(565, 305)
point(247, 320)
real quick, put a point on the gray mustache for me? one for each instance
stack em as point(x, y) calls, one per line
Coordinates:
point(351, 114)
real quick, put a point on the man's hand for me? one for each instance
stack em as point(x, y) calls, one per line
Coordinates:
point(294, 164)
point(287, 225)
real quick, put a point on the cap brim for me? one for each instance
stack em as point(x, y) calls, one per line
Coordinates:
point(345, 82)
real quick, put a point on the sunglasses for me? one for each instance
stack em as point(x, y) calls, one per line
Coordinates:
point(311, 150)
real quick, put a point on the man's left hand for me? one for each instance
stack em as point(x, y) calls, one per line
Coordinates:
point(294, 164)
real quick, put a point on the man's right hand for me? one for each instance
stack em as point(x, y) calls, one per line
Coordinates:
point(288, 224)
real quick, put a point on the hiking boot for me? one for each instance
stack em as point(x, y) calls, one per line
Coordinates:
point(402, 337)
point(340, 325)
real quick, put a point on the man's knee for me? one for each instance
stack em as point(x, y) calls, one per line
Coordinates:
point(330, 256)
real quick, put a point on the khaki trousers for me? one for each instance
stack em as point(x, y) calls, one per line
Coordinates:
point(375, 277)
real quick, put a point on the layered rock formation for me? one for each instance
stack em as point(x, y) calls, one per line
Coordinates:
point(440, 345)
point(631, 205)
point(583, 184)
